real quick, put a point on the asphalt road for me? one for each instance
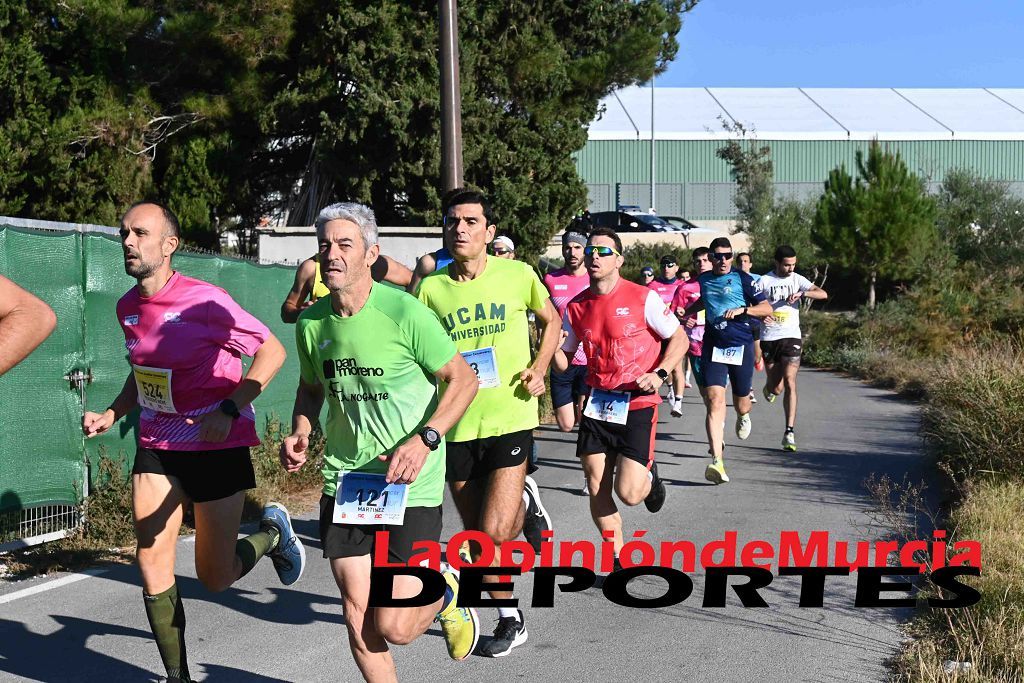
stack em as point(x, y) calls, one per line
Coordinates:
point(95, 629)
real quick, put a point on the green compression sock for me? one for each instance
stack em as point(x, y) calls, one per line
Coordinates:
point(167, 619)
point(251, 548)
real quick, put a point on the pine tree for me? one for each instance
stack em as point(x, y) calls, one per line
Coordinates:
point(882, 225)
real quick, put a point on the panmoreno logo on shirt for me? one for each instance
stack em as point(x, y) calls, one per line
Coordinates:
point(483, 319)
point(347, 367)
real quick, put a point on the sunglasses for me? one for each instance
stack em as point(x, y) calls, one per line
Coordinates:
point(668, 265)
point(721, 256)
point(592, 249)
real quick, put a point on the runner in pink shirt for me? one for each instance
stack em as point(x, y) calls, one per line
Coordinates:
point(686, 294)
point(569, 388)
point(185, 340)
point(666, 285)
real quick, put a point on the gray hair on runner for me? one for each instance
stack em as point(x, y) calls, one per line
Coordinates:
point(360, 214)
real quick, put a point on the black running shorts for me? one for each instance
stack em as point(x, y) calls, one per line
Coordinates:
point(782, 350)
point(356, 540)
point(468, 460)
point(633, 440)
point(204, 475)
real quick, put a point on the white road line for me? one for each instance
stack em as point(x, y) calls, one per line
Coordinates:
point(64, 581)
point(50, 585)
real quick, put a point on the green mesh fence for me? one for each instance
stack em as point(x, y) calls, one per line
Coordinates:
point(43, 457)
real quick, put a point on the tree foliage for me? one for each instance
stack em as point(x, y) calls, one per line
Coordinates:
point(751, 166)
point(980, 220)
point(881, 224)
point(232, 111)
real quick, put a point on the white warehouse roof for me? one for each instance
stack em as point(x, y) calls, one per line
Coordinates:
point(814, 113)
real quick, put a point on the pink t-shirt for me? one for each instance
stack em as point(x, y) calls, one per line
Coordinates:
point(185, 345)
point(563, 289)
point(687, 293)
point(666, 290)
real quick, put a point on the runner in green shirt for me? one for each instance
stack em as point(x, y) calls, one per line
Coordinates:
point(375, 354)
point(482, 302)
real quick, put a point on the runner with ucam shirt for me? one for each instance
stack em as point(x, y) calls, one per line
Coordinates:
point(185, 339)
point(781, 340)
point(620, 325)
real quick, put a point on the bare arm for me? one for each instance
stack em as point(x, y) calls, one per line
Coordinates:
point(398, 273)
point(532, 378)
point(425, 265)
point(126, 401)
point(678, 343)
point(295, 302)
point(309, 399)
point(405, 463)
point(25, 321)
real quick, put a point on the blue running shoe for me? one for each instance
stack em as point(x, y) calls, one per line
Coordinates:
point(289, 557)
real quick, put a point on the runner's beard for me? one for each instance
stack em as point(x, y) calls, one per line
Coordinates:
point(139, 269)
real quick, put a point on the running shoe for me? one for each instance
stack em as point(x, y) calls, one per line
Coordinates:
point(288, 556)
point(671, 397)
point(510, 633)
point(460, 625)
point(677, 407)
point(687, 385)
point(743, 425)
point(789, 442)
point(769, 395)
point(656, 497)
point(715, 472)
point(586, 487)
point(464, 553)
point(753, 399)
point(537, 518)
point(759, 364)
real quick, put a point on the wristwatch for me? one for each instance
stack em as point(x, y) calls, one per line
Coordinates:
point(230, 408)
point(662, 373)
point(431, 437)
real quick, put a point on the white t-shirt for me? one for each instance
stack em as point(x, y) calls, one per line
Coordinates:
point(786, 315)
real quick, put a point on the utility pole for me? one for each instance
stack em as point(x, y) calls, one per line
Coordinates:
point(451, 99)
point(653, 207)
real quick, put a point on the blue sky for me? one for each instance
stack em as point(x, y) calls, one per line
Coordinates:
point(851, 43)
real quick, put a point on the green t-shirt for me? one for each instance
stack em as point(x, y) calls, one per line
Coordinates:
point(377, 369)
point(490, 311)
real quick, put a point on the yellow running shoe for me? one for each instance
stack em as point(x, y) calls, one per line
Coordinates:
point(715, 472)
point(460, 625)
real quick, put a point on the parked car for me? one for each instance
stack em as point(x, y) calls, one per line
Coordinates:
point(632, 209)
point(620, 221)
point(680, 223)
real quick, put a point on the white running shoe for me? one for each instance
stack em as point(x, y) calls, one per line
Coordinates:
point(743, 425)
point(677, 407)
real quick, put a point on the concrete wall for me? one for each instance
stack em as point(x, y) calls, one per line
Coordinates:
point(295, 244)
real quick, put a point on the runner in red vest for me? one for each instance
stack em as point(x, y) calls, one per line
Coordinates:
point(621, 326)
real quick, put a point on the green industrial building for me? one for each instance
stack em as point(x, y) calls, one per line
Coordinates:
point(809, 131)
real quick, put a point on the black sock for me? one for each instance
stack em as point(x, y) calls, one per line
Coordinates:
point(251, 548)
point(789, 429)
point(167, 620)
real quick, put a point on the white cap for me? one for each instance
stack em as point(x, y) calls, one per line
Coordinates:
point(503, 241)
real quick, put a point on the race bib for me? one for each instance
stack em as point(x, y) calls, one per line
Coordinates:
point(365, 498)
point(485, 365)
point(781, 315)
point(608, 406)
point(700, 317)
point(730, 356)
point(154, 385)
